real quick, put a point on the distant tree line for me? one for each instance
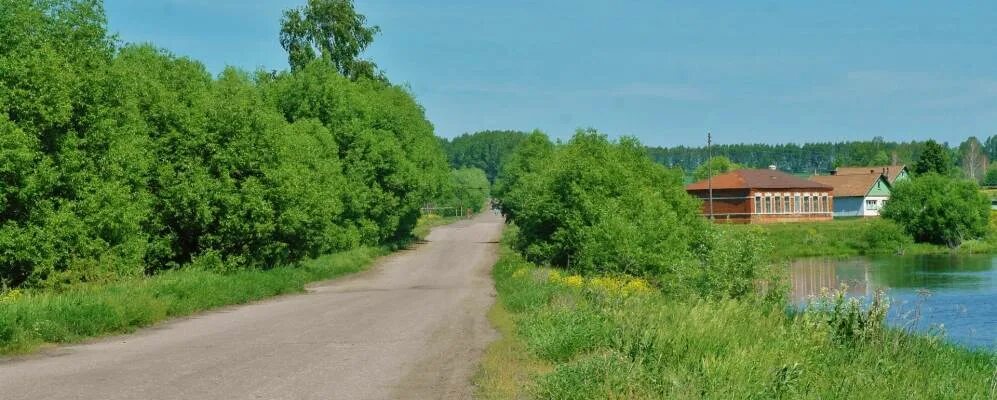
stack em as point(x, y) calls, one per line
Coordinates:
point(117, 161)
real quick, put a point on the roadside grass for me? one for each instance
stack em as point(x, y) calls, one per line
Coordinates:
point(429, 221)
point(36, 318)
point(849, 237)
point(582, 343)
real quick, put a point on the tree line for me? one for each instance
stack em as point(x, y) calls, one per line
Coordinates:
point(121, 160)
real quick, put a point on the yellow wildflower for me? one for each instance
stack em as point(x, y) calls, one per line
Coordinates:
point(10, 296)
point(521, 272)
point(574, 281)
point(554, 276)
point(637, 286)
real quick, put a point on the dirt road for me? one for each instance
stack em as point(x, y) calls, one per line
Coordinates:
point(412, 327)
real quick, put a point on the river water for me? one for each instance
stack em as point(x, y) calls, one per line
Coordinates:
point(952, 295)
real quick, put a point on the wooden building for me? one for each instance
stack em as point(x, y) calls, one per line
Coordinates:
point(764, 196)
point(857, 195)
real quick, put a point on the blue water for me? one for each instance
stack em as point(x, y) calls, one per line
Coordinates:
point(955, 296)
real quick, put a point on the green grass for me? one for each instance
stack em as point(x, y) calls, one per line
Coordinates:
point(844, 238)
point(651, 346)
point(37, 318)
point(429, 221)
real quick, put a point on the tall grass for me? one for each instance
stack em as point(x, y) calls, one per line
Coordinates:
point(35, 318)
point(851, 237)
point(647, 345)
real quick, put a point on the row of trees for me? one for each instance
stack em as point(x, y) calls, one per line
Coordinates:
point(118, 161)
point(485, 150)
point(969, 160)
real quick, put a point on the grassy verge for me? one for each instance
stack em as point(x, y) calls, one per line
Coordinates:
point(588, 337)
point(846, 237)
point(36, 318)
point(429, 221)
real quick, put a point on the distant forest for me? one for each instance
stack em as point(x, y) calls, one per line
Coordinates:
point(487, 150)
point(816, 157)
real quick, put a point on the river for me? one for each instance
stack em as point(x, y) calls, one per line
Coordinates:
point(954, 295)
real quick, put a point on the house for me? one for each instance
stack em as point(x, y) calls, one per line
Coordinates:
point(857, 195)
point(764, 196)
point(893, 173)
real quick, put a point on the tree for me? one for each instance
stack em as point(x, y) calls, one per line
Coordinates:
point(717, 165)
point(330, 30)
point(991, 178)
point(468, 188)
point(974, 159)
point(936, 209)
point(486, 150)
point(934, 159)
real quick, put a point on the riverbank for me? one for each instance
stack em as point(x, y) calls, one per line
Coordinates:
point(850, 237)
point(581, 337)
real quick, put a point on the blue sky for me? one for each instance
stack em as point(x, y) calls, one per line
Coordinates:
point(666, 72)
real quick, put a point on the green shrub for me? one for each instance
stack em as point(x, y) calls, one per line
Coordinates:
point(937, 209)
point(596, 206)
point(883, 235)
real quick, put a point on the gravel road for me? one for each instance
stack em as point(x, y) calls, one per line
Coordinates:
point(411, 327)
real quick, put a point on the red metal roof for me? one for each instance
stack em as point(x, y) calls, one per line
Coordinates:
point(758, 179)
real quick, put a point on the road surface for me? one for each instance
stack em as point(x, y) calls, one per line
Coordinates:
point(411, 327)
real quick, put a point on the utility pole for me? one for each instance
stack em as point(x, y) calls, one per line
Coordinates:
point(709, 169)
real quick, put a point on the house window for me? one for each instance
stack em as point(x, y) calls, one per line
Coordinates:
point(758, 204)
point(787, 208)
point(778, 204)
point(816, 203)
point(806, 203)
point(768, 204)
point(797, 207)
point(827, 203)
point(871, 204)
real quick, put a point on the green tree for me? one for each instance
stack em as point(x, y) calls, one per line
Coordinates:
point(991, 178)
point(937, 209)
point(332, 31)
point(718, 165)
point(485, 150)
point(934, 158)
point(469, 188)
point(595, 205)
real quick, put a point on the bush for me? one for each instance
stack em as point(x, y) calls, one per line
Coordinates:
point(883, 235)
point(597, 206)
point(940, 210)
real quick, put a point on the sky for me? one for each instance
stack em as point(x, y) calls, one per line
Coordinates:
point(665, 72)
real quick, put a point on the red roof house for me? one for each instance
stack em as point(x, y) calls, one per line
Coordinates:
point(764, 196)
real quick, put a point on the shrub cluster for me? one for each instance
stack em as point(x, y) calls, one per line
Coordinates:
point(118, 161)
point(937, 209)
point(595, 206)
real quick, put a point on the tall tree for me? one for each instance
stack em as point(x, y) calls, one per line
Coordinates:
point(974, 159)
point(330, 30)
point(935, 158)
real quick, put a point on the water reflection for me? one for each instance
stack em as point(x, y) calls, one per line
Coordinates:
point(959, 292)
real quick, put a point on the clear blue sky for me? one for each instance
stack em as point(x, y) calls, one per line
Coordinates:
point(666, 72)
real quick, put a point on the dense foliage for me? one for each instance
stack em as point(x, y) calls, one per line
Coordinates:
point(595, 206)
point(934, 159)
point(485, 150)
point(937, 209)
point(795, 158)
point(120, 161)
point(330, 30)
point(468, 189)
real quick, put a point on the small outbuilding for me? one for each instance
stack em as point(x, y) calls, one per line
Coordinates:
point(893, 173)
point(857, 195)
point(763, 196)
